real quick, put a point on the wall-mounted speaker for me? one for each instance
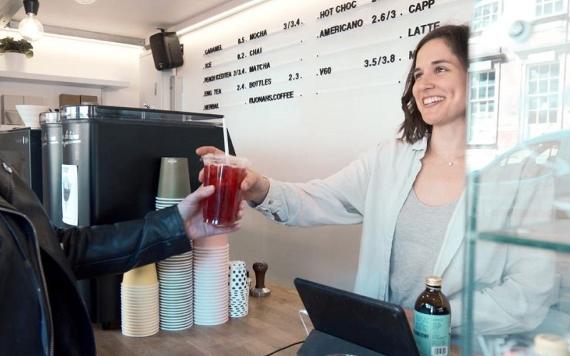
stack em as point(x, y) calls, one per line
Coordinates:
point(166, 50)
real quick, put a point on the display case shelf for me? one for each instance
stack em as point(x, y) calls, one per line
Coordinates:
point(62, 80)
point(554, 235)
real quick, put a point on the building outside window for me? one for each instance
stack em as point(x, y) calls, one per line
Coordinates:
point(543, 98)
point(483, 107)
point(484, 14)
point(548, 7)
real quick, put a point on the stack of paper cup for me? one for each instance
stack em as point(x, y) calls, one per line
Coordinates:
point(176, 292)
point(173, 181)
point(211, 296)
point(162, 203)
point(139, 302)
point(239, 289)
point(174, 273)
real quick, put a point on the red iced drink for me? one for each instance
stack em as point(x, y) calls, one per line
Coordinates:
point(226, 175)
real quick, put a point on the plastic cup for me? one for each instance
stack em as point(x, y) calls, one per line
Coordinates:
point(174, 179)
point(225, 173)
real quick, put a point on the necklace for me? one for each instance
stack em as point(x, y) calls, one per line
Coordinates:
point(450, 162)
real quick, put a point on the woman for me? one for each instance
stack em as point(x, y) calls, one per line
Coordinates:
point(408, 195)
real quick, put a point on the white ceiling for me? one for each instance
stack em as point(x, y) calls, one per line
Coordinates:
point(131, 18)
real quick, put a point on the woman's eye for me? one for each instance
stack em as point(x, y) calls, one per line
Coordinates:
point(440, 69)
point(417, 76)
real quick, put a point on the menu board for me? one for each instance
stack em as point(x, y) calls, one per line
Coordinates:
point(339, 46)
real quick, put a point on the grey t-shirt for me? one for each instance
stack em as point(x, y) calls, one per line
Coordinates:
point(417, 240)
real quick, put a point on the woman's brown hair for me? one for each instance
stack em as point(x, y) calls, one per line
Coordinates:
point(414, 127)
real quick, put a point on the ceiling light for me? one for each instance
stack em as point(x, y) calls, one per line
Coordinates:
point(30, 27)
point(85, 2)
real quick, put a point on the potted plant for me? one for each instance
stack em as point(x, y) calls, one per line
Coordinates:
point(10, 45)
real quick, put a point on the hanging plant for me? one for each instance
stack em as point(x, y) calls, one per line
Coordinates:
point(8, 44)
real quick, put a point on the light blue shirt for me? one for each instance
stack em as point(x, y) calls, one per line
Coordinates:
point(514, 287)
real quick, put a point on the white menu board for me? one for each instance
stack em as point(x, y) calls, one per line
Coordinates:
point(343, 46)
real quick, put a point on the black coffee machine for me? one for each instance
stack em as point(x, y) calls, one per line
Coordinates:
point(115, 153)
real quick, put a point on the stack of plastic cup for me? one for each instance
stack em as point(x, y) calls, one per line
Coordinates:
point(139, 302)
point(239, 289)
point(211, 295)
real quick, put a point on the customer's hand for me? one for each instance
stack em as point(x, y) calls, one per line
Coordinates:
point(191, 211)
point(254, 186)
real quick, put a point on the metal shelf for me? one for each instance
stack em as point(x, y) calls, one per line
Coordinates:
point(62, 80)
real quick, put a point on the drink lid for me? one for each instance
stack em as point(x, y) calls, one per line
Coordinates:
point(433, 281)
point(221, 159)
point(548, 344)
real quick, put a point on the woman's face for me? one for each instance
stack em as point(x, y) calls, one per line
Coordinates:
point(440, 80)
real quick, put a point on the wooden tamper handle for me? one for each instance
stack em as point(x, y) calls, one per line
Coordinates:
point(260, 290)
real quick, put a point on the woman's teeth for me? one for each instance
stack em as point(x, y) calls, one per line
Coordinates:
point(432, 99)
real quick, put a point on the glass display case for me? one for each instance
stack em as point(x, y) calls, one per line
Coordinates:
point(517, 250)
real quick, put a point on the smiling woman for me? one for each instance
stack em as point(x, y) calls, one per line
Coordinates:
point(439, 88)
point(454, 43)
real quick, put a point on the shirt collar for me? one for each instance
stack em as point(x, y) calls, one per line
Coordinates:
point(420, 145)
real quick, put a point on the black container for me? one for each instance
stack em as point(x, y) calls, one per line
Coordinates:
point(116, 152)
point(52, 153)
point(22, 149)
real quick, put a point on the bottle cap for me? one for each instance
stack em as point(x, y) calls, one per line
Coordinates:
point(433, 281)
point(550, 345)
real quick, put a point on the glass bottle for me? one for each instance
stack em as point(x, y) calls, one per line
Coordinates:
point(432, 320)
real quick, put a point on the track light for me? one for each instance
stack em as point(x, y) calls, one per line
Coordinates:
point(30, 27)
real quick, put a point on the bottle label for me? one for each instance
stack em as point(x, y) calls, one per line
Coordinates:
point(431, 333)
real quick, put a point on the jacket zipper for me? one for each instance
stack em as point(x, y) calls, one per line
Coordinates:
point(43, 281)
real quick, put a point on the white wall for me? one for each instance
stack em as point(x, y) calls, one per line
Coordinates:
point(75, 57)
point(330, 120)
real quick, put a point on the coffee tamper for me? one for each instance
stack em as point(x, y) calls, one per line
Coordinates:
point(260, 291)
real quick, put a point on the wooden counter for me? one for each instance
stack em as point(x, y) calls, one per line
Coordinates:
point(272, 322)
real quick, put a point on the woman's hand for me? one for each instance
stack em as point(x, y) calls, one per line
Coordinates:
point(254, 186)
point(190, 210)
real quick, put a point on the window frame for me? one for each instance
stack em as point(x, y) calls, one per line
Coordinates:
point(526, 128)
point(496, 68)
point(480, 4)
point(563, 10)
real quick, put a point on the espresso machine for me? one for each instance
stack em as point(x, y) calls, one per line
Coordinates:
point(110, 165)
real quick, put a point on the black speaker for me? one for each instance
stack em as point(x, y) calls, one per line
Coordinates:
point(166, 50)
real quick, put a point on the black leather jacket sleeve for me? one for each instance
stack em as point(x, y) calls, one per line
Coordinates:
point(120, 247)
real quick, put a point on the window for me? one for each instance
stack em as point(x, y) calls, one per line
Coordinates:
point(548, 7)
point(483, 108)
point(484, 14)
point(543, 98)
